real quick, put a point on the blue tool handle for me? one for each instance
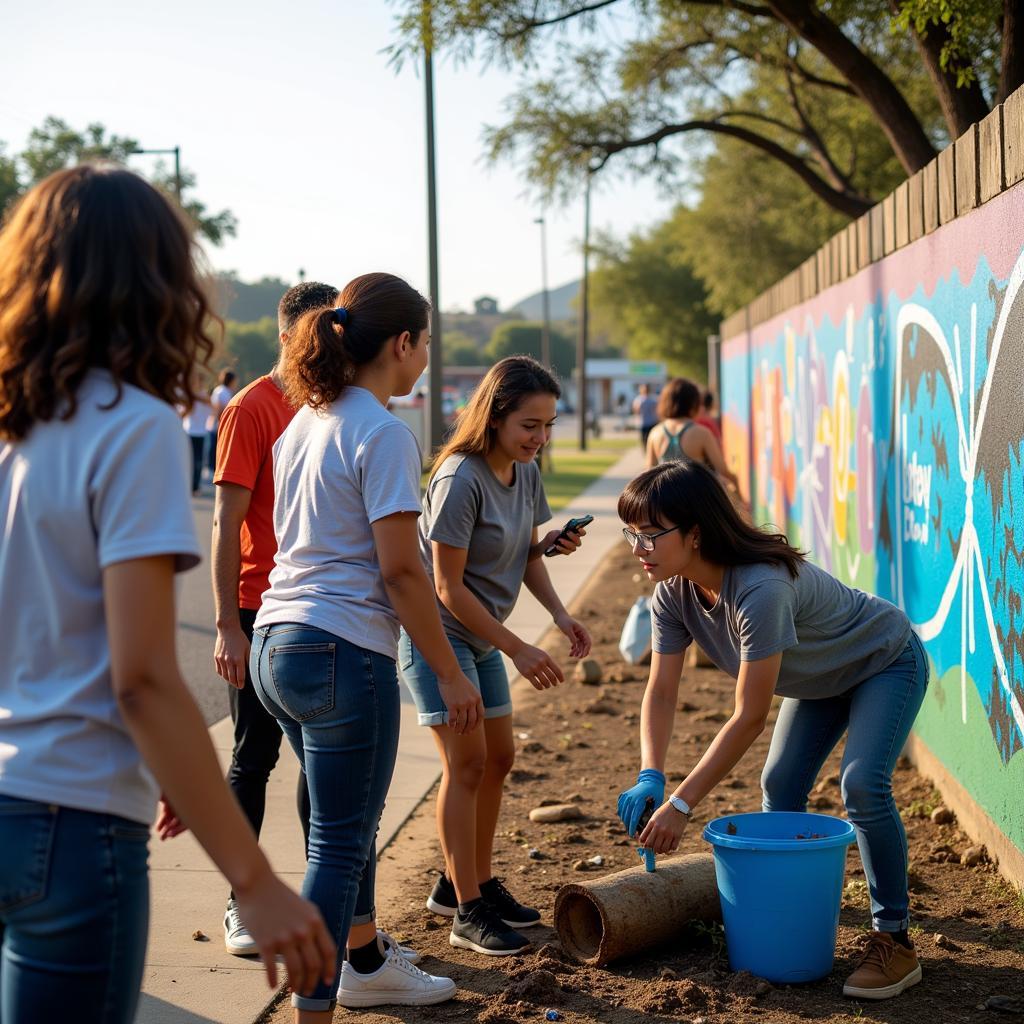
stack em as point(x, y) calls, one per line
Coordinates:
point(647, 856)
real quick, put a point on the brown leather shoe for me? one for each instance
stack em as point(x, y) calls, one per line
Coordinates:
point(885, 969)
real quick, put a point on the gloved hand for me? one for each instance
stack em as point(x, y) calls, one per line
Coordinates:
point(650, 785)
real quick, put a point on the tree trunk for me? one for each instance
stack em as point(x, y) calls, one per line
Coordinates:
point(1011, 76)
point(907, 137)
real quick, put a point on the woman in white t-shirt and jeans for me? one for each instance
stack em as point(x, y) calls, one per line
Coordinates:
point(101, 319)
point(347, 571)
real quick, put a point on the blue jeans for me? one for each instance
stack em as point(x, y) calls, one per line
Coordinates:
point(485, 671)
point(338, 706)
point(74, 913)
point(878, 715)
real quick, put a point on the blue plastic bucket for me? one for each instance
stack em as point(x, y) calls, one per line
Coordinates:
point(780, 893)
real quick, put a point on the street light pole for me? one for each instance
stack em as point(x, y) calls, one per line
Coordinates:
point(435, 416)
point(545, 336)
point(176, 151)
point(582, 340)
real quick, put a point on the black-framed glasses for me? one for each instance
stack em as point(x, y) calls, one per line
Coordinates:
point(645, 540)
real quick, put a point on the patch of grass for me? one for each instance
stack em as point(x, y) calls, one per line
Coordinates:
point(573, 473)
point(921, 808)
point(614, 443)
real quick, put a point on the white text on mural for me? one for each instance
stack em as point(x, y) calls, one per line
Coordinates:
point(917, 489)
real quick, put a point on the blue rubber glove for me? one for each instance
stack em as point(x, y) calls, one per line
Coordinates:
point(650, 785)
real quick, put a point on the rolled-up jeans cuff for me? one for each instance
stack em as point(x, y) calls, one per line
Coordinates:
point(890, 926)
point(364, 918)
point(316, 1005)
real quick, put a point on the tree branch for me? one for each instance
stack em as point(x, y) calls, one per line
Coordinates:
point(846, 201)
point(813, 137)
point(530, 24)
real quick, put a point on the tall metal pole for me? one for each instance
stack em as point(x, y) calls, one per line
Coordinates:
point(545, 335)
point(435, 417)
point(581, 342)
point(177, 172)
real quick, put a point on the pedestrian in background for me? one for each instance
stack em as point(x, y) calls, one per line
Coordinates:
point(219, 398)
point(102, 318)
point(645, 408)
point(197, 420)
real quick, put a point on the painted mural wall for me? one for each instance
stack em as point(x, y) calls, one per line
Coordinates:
point(882, 427)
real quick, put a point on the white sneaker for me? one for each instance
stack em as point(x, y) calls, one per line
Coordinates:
point(408, 952)
point(397, 982)
point(237, 940)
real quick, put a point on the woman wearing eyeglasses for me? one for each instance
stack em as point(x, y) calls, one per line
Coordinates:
point(842, 660)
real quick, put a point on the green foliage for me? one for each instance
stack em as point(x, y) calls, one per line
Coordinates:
point(523, 337)
point(251, 348)
point(459, 349)
point(55, 145)
point(646, 295)
point(248, 301)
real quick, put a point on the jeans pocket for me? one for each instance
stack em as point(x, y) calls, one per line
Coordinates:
point(303, 676)
point(26, 844)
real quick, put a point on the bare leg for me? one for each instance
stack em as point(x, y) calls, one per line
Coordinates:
point(501, 754)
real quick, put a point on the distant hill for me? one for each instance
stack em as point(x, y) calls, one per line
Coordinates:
point(560, 299)
point(248, 302)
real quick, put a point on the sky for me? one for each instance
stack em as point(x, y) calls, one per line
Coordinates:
point(290, 115)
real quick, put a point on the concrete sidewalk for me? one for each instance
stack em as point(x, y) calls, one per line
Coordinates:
point(188, 981)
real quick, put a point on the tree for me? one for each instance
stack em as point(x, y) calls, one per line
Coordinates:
point(56, 145)
point(462, 350)
point(523, 338)
point(251, 349)
point(646, 294)
point(694, 60)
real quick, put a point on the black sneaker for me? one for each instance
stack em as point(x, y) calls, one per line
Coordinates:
point(482, 931)
point(442, 899)
point(508, 908)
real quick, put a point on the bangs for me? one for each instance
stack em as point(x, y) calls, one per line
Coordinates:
point(638, 503)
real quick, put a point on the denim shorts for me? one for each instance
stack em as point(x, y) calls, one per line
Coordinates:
point(485, 671)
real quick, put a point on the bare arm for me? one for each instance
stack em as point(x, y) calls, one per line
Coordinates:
point(231, 650)
point(412, 597)
point(652, 453)
point(658, 710)
point(169, 731)
point(712, 452)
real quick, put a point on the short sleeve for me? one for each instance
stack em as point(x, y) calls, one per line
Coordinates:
point(389, 466)
point(668, 634)
point(239, 448)
point(766, 619)
point(139, 495)
point(454, 506)
point(541, 509)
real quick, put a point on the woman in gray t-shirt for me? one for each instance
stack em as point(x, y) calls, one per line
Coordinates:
point(843, 660)
point(478, 535)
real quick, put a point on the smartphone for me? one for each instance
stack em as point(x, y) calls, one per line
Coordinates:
point(573, 526)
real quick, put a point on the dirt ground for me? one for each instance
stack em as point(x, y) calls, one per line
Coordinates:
point(580, 742)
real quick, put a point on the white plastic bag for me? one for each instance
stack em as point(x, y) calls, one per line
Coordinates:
point(635, 642)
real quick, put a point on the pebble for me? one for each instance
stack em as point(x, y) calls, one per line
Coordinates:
point(200, 936)
point(972, 856)
point(557, 812)
point(596, 861)
point(943, 942)
point(535, 854)
point(588, 672)
point(943, 816)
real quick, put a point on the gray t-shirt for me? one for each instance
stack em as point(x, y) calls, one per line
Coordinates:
point(337, 472)
point(832, 636)
point(467, 506)
point(76, 496)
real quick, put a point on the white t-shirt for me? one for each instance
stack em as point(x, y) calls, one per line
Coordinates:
point(198, 421)
point(76, 496)
point(219, 398)
point(335, 473)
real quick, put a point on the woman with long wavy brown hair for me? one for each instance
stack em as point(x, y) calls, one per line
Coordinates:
point(102, 317)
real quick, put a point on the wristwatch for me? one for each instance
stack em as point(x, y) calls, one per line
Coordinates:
point(680, 805)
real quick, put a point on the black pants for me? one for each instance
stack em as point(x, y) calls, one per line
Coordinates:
point(257, 746)
point(198, 448)
point(644, 433)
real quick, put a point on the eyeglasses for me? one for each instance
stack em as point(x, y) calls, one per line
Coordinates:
point(645, 540)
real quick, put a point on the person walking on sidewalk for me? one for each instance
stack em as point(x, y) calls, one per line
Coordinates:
point(645, 408)
point(243, 555)
point(196, 421)
point(842, 660)
point(219, 398)
point(347, 570)
point(483, 505)
point(102, 317)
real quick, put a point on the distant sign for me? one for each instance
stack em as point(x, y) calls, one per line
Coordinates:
point(647, 369)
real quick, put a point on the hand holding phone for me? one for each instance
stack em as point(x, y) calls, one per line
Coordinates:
point(573, 526)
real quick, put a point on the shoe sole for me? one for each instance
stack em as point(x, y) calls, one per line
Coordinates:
point(886, 992)
point(440, 908)
point(241, 950)
point(522, 924)
point(360, 1000)
point(460, 943)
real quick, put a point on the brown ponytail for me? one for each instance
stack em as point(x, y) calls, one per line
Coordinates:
point(325, 348)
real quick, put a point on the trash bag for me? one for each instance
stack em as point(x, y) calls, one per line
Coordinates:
point(635, 641)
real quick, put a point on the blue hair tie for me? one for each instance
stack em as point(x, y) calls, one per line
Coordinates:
point(340, 315)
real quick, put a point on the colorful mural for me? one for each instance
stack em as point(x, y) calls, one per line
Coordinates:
point(882, 427)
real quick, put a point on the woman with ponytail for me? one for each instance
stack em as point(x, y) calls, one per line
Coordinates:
point(484, 503)
point(347, 572)
point(842, 660)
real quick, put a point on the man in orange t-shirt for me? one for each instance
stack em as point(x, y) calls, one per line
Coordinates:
point(244, 546)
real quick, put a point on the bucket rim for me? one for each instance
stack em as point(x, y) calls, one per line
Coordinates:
point(740, 842)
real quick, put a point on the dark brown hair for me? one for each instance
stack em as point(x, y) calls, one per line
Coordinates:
point(679, 399)
point(503, 390)
point(97, 269)
point(301, 298)
point(687, 494)
point(323, 352)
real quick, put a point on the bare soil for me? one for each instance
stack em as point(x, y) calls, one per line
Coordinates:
point(580, 743)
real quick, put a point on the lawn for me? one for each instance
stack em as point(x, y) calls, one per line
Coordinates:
point(574, 471)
